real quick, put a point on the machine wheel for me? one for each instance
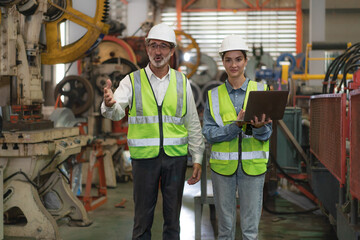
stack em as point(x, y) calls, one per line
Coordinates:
point(207, 70)
point(188, 46)
point(75, 93)
point(60, 11)
point(123, 68)
point(112, 47)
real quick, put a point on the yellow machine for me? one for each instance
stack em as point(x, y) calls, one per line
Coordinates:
point(36, 193)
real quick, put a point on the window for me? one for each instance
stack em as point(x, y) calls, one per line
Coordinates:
point(275, 31)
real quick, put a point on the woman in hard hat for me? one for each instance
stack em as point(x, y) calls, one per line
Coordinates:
point(163, 126)
point(239, 151)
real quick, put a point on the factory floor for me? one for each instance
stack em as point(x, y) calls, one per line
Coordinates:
point(111, 223)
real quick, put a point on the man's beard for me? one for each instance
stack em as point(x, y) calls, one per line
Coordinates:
point(162, 63)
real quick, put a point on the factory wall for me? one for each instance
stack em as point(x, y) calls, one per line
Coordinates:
point(342, 21)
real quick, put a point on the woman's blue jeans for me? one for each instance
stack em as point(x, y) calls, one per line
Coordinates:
point(250, 192)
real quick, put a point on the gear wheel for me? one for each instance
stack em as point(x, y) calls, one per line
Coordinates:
point(55, 51)
point(75, 93)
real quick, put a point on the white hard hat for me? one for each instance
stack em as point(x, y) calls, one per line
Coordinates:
point(162, 32)
point(233, 42)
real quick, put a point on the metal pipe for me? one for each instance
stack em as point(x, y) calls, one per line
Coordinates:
point(316, 76)
point(298, 27)
point(178, 13)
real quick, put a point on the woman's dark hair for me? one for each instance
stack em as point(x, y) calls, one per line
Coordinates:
point(223, 53)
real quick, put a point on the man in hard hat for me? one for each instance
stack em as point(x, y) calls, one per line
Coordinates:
point(163, 125)
point(240, 151)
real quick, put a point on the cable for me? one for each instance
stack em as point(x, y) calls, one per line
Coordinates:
point(27, 178)
point(347, 58)
point(52, 159)
point(300, 181)
point(47, 165)
point(351, 63)
point(345, 73)
point(295, 180)
point(286, 213)
point(333, 65)
point(340, 62)
point(136, 31)
point(22, 173)
point(62, 173)
point(67, 70)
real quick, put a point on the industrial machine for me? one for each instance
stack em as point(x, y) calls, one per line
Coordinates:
point(259, 61)
point(334, 142)
point(36, 193)
point(329, 158)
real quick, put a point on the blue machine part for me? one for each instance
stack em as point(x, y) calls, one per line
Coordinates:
point(268, 74)
point(287, 57)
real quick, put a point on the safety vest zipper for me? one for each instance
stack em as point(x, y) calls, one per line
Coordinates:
point(161, 127)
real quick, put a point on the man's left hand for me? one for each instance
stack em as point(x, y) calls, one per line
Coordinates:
point(195, 175)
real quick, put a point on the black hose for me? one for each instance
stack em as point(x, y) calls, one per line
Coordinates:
point(346, 59)
point(328, 73)
point(288, 213)
point(300, 181)
point(342, 60)
point(337, 65)
point(22, 173)
point(62, 173)
point(52, 159)
point(295, 180)
point(47, 165)
point(347, 68)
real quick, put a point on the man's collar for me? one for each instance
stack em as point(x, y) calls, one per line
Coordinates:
point(150, 73)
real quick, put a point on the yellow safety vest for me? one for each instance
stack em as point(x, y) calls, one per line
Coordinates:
point(151, 126)
point(225, 155)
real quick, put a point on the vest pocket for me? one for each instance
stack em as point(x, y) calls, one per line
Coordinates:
point(254, 167)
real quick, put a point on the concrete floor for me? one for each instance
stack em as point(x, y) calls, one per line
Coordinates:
point(111, 223)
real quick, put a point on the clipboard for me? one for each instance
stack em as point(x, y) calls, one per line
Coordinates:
point(272, 103)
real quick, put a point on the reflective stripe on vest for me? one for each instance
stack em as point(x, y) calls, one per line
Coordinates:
point(216, 107)
point(155, 119)
point(144, 125)
point(155, 142)
point(225, 155)
point(234, 155)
